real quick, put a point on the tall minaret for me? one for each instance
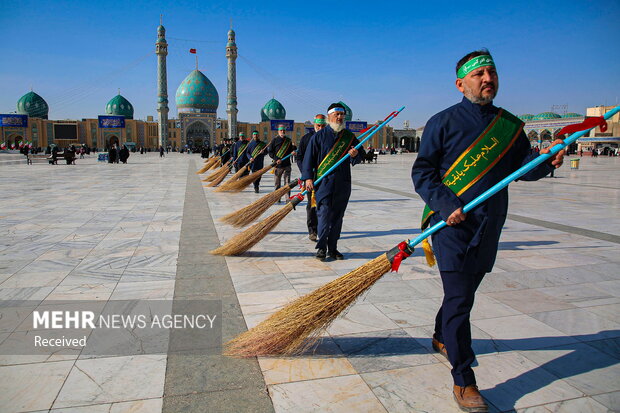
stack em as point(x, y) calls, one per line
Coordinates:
point(231, 102)
point(161, 49)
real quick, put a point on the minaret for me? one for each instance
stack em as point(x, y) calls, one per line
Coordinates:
point(231, 102)
point(161, 49)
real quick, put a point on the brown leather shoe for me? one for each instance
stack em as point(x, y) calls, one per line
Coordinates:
point(439, 347)
point(469, 399)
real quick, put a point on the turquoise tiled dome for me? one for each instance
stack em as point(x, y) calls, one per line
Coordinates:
point(546, 115)
point(348, 114)
point(119, 106)
point(197, 94)
point(32, 105)
point(573, 115)
point(526, 117)
point(272, 110)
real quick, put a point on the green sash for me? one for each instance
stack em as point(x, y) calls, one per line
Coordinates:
point(340, 148)
point(259, 147)
point(286, 144)
point(481, 156)
point(242, 149)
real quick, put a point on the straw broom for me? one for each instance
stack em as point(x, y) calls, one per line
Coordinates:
point(216, 164)
point(240, 184)
point(247, 214)
point(220, 175)
point(217, 172)
point(285, 331)
point(242, 242)
point(232, 178)
point(299, 324)
point(208, 163)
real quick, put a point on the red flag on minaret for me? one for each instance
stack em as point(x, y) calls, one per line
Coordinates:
point(192, 51)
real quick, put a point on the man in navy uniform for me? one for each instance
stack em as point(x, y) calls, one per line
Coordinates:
point(311, 219)
point(333, 192)
point(255, 155)
point(238, 152)
point(465, 150)
point(279, 148)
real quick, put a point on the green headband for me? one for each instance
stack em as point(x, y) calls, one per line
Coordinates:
point(281, 128)
point(320, 121)
point(473, 64)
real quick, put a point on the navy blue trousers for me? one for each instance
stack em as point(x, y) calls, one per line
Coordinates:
point(452, 326)
point(330, 213)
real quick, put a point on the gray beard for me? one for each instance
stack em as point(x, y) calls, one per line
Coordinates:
point(478, 100)
point(337, 127)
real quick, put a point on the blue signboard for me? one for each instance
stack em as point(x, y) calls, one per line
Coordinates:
point(356, 126)
point(111, 121)
point(289, 124)
point(16, 121)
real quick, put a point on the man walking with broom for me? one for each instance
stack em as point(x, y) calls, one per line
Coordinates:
point(238, 152)
point(326, 148)
point(465, 150)
point(279, 147)
point(311, 218)
point(255, 155)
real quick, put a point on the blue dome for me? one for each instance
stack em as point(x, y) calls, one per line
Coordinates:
point(526, 117)
point(197, 94)
point(572, 115)
point(272, 110)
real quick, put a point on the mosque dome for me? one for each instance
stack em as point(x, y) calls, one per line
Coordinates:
point(526, 117)
point(572, 115)
point(546, 115)
point(348, 114)
point(197, 94)
point(119, 106)
point(32, 105)
point(272, 110)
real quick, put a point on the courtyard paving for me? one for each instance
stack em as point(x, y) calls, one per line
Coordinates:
point(545, 324)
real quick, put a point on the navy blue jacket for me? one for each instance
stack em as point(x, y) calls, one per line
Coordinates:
point(320, 145)
point(235, 153)
point(470, 246)
point(301, 149)
point(260, 158)
point(274, 147)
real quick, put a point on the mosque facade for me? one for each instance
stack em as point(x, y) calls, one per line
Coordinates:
point(195, 126)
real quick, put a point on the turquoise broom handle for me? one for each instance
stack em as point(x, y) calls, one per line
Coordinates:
point(506, 181)
point(359, 145)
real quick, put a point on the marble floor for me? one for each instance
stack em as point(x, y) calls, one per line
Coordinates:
point(545, 326)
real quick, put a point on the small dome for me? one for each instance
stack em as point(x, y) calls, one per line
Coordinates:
point(32, 105)
point(119, 106)
point(572, 115)
point(272, 110)
point(197, 94)
point(348, 114)
point(526, 117)
point(546, 115)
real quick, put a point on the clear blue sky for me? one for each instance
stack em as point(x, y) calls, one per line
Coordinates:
point(375, 56)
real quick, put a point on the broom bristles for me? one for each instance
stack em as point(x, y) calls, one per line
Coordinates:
point(216, 164)
point(206, 166)
point(232, 179)
point(216, 174)
point(240, 184)
point(245, 240)
point(298, 325)
point(248, 214)
point(220, 175)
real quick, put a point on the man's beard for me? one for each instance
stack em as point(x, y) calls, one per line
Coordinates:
point(337, 127)
point(479, 99)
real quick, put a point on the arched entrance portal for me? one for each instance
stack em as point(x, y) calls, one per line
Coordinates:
point(113, 140)
point(197, 136)
point(14, 139)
